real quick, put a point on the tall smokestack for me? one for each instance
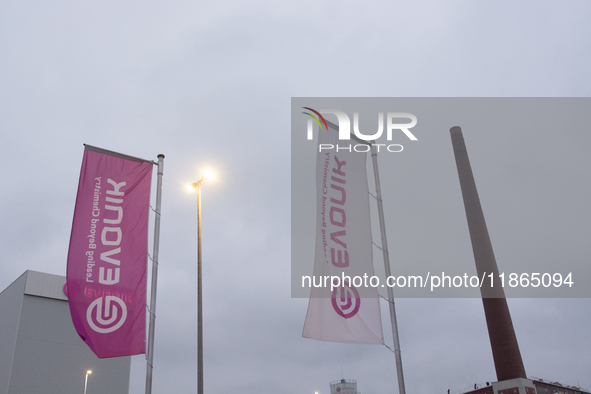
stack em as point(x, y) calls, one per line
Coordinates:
point(506, 355)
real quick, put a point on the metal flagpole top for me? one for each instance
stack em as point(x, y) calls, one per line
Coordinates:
point(152, 310)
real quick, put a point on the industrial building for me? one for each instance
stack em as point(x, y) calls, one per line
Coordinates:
point(532, 386)
point(344, 386)
point(40, 351)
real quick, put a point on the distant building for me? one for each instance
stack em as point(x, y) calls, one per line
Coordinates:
point(343, 386)
point(529, 386)
point(547, 387)
point(40, 351)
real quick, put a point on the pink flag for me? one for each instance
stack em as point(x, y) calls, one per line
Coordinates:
point(106, 272)
point(346, 307)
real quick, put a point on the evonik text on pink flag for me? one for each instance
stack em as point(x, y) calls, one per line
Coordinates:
point(107, 257)
point(343, 247)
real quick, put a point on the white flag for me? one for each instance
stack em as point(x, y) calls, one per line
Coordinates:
point(344, 308)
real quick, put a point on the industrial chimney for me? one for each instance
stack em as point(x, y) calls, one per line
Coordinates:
point(506, 355)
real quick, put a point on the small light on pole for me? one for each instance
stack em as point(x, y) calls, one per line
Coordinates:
point(197, 185)
point(86, 380)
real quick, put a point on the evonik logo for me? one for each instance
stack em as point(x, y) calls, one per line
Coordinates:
point(344, 124)
point(110, 314)
point(346, 300)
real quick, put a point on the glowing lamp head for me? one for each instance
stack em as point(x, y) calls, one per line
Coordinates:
point(208, 174)
point(192, 186)
point(88, 372)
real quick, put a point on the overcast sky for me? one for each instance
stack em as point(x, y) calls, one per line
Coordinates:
point(210, 85)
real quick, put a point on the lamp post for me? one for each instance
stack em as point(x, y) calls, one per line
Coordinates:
point(86, 380)
point(197, 185)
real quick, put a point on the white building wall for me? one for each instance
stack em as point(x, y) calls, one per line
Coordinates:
point(11, 300)
point(48, 356)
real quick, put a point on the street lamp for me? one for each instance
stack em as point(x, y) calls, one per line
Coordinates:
point(197, 185)
point(86, 380)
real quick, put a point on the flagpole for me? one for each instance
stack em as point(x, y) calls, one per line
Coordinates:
point(374, 157)
point(376, 172)
point(152, 310)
